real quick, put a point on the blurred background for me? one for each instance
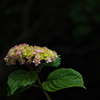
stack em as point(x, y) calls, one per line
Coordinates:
point(70, 27)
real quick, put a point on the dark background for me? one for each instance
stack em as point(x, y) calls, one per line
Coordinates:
point(70, 27)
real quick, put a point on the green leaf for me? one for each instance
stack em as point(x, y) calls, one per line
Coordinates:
point(63, 78)
point(55, 63)
point(20, 80)
point(19, 90)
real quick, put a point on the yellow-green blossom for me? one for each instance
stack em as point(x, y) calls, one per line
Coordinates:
point(29, 54)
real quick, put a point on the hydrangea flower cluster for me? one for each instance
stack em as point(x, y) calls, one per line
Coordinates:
point(29, 54)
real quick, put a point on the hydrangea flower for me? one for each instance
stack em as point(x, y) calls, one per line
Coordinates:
point(29, 54)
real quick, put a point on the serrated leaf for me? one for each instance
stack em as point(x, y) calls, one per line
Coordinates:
point(55, 63)
point(20, 80)
point(63, 78)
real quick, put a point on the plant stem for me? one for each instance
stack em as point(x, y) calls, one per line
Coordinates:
point(40, 84)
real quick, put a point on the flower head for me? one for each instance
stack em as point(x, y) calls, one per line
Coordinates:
point(29, 54)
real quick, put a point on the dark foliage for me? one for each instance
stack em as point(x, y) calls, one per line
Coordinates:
point(70, 27)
